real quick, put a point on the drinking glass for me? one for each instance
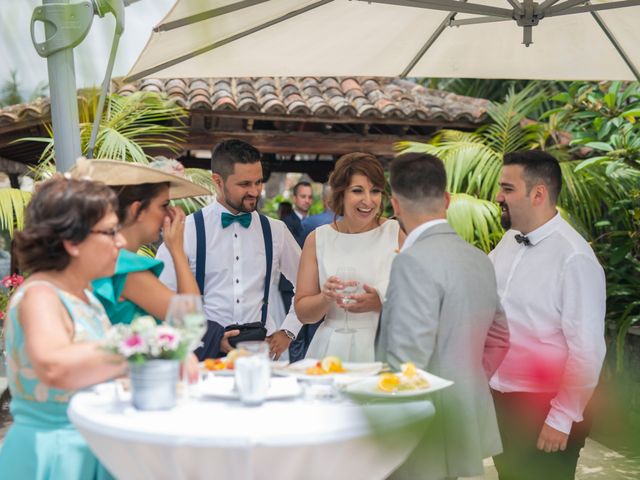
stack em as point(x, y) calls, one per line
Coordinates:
point(185, 313)
point(347, 276)
point(252, 372)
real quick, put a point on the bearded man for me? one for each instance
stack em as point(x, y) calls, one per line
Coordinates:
point(552, 289)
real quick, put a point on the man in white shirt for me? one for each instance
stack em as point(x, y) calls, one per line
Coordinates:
point(553, 291)
point(442, 312)
point(235, 269)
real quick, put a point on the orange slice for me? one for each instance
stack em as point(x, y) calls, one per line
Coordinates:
point(388, 382)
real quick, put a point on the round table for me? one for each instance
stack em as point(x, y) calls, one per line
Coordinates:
point(280, 440)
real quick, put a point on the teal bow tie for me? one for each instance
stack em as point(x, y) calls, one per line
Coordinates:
point(243, 219)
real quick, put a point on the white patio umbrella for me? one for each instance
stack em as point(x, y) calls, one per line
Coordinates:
point(563, 39)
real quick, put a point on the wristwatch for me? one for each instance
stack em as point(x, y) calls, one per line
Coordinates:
point(289, 334)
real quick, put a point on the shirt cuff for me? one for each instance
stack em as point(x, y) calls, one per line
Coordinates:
point(292, 324)
point(559, 420)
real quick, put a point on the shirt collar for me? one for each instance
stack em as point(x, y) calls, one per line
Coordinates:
point(299, 215)
point(419, 230)
point(544, 230)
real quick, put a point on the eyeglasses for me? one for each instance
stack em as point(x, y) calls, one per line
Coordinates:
point(111, 232)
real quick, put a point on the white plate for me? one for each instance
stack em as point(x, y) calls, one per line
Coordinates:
point(368, 388)
point(354, 371)
point(224, 387)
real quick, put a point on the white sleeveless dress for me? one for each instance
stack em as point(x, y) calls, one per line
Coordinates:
point(370, 254)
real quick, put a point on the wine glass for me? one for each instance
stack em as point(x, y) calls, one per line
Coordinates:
point(185, 313)
point(347, 275)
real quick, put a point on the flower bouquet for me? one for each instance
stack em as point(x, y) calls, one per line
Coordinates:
point(154, 353)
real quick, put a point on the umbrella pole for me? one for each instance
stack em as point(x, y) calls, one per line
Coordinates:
point(65, 26)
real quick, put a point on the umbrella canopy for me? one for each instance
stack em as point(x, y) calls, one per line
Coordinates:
point(555, 40)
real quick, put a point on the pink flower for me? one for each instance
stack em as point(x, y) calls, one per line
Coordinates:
point(12, 281)
point(167, 338)
point(132, 345)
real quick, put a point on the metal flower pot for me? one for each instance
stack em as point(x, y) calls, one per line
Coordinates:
point(153, 384)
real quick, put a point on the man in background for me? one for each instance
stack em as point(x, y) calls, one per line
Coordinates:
point(312, 222)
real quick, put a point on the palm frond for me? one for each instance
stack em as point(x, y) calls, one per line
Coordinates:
point(12, 206)
point(475, 220)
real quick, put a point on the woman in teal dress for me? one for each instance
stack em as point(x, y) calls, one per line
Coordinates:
point(54, 326)
point(144, 212)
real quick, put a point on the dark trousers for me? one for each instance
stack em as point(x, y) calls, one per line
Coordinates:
point(521, 416)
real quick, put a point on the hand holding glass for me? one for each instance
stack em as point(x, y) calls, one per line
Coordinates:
point(347, 276)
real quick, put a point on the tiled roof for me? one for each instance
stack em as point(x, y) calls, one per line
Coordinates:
point(331, 97)
point(347, 99)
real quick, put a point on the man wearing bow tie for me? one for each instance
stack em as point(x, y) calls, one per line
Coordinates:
point(236, 242)
point(552, 289)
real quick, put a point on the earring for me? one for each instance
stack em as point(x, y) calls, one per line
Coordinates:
point(74, 253)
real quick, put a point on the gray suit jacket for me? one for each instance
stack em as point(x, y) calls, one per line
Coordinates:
point(442, 312)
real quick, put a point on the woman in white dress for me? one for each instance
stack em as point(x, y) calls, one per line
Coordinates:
point(361, 241)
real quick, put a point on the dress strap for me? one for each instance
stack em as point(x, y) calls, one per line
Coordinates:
point(18, 294)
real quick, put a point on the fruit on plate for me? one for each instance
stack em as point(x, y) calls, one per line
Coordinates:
point(388, 382)
point(408, 379)
point(326, 366)
point(217, 364)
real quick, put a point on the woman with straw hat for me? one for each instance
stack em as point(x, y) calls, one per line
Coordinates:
point(144, 212)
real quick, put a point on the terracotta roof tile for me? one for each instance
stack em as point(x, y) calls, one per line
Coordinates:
point(347, 98)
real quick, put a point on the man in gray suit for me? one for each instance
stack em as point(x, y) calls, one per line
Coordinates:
point(442, 313)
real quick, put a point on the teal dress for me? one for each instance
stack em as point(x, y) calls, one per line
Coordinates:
point(109, 289)
point(42, 444)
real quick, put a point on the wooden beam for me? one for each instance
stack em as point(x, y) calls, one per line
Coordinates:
point(303, 142)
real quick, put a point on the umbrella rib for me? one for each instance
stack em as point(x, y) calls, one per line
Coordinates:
point(199, 17)
point(596, 16)
point(432, 39)
point(476, 20)
point(450, 6)
point(564, 5)
point(517, 8)
point(224, 41)
point(592, 8)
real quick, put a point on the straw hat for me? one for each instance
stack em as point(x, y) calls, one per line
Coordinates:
point(115, 172)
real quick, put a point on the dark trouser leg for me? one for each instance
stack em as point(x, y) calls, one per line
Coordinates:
point(520, 419)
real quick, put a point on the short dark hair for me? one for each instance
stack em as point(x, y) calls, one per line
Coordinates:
point(539, 167)
point(297, 186)
point(227, 153)
point(418, 176)
point(61, 209)
point(143, 193)
point(284, 209)
point(346, 167)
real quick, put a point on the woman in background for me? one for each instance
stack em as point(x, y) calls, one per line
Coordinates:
point(54, 327)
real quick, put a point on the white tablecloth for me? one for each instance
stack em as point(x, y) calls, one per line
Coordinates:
point(283, 440)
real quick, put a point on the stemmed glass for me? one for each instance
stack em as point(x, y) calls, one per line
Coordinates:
point(185, 313)
point(347, 276)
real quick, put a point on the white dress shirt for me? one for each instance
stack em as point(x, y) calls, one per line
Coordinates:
point(553, 293)
point(419, 230)
point(236, 267)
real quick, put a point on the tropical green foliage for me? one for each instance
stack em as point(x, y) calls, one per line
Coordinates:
point(593, 131)
point(131, 127)
point(12, 205)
